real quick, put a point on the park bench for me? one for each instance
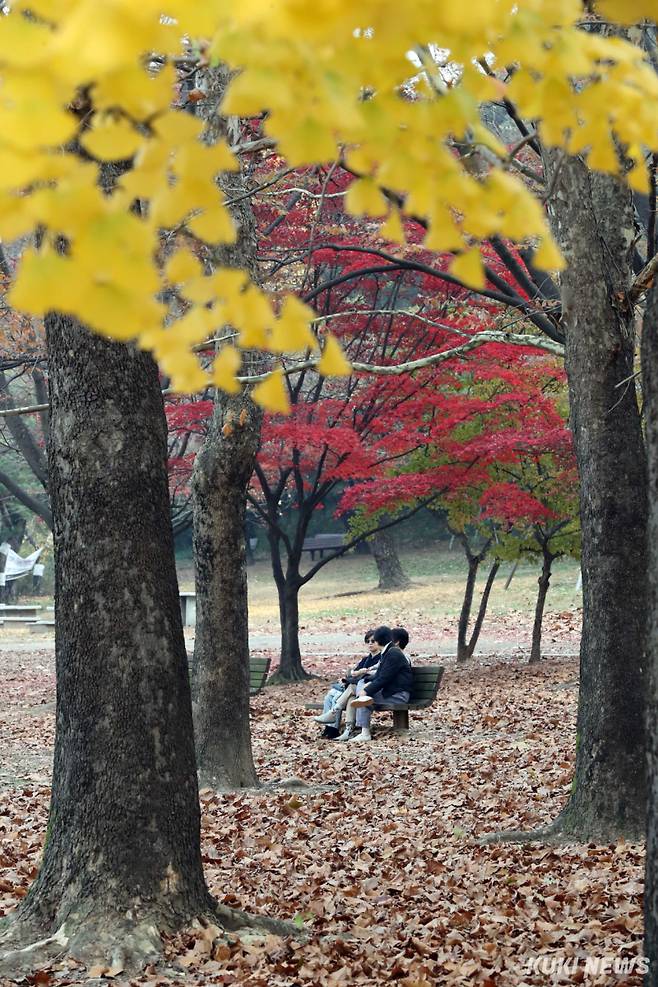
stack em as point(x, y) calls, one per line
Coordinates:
point(322, 543)
point(19, 613)
point(258, 671)
point(188, 607)
point(427, 679)
point(42, 625)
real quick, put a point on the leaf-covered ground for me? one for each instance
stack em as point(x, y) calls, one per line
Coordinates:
point(378, 860)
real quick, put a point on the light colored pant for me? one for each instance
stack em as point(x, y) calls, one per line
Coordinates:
point(330, 701)
point(363, 714)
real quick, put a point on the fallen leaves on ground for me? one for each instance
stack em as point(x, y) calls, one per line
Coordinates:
point(378, 860)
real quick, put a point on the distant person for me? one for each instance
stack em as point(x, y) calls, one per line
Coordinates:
point(391, 684)
point(335, 700)
point(400, 638)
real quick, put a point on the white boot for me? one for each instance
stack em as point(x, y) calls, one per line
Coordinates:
point(328, 717)
point(347, 732)
point(363, 736)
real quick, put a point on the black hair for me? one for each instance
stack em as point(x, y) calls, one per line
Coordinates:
point(382, 635)
point(400, 636)
point(368, 635)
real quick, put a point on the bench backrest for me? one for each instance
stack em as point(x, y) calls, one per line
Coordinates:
point(324, 541)
point(258, 671)
point(427, 679)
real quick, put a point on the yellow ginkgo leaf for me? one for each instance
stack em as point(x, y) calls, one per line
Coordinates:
point(185, 372)
point(138, 92)
point(271, 393)
point(183, 266)
point(224, 369)
point(40, 282)
point(229, 281)
point(333, 362)
point(307, 142)
point(392, 229)
point(468, 268)
point(177, 128)
point(111, 139)
point(627, 11)
point(547, 257)
point(363, 196)
point(205, 161)
point(214, 225)
point(291, 331)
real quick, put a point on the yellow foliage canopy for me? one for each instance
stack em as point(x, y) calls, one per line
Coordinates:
point(337, 79)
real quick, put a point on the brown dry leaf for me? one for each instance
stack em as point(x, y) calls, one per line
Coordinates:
point(379, 863)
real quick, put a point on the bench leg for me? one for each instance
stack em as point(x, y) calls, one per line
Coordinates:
point(400, 719)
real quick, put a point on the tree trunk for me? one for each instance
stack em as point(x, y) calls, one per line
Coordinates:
point(389, 567)
point(221, 475)
point(122, 857)
point(463, 651)
point(650, 390)
point(543, 583)
point(222, 472)
point(290, 667)
point(482, 609)
point(593, 220)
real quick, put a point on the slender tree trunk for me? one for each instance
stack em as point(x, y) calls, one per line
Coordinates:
point(482, 609)
point(543, 583)
point(222, 472)
point(650, 390)
point(389, 567)
point(463, 651)
point(122, 857)
point(593, 220)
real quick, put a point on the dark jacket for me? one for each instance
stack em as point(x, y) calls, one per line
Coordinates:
point(366, 662)
point(394, 674)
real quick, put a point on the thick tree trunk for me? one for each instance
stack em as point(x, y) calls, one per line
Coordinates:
point(593, 221)
point(389, 567)
point(221, 649)
point(122, 857)
point(543, 583)
point(650, 390)
point(222, 472)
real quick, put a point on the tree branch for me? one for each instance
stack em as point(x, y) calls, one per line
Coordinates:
point(38, 507)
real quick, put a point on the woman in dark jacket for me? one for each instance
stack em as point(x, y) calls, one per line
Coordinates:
point(391, 684)
point(337, 698)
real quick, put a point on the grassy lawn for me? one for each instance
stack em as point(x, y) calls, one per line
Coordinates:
point(346, 587)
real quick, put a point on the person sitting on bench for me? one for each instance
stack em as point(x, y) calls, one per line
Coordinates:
point(337, 698)
point(392, 683)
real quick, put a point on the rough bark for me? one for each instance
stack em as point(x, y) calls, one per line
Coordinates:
point(650, 390)
point(122, 857)
point(543, 582)
point(222, 472)
point(389, 567)
point(592, 218)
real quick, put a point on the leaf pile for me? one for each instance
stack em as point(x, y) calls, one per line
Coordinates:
point(378, 859)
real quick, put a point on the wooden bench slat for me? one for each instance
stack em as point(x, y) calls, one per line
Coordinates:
point(258, 671)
